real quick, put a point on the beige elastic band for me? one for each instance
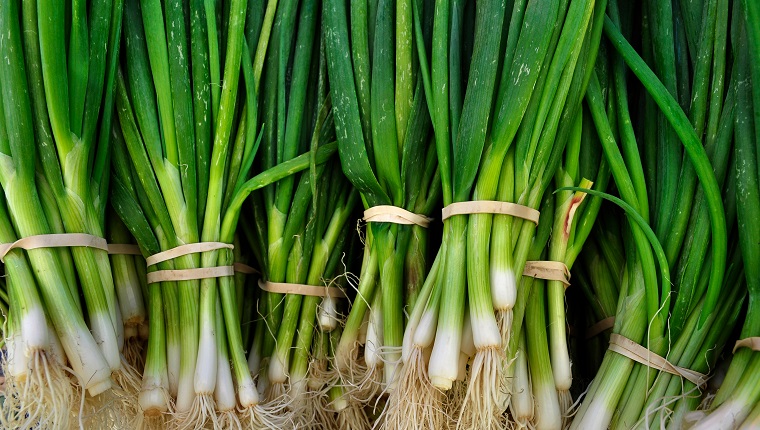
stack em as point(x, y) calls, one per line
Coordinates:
point(624, 346)
point(190, 274)
point(752, 343)
point(56, 240)
point(123, 249)
point(304, 290)
point(599, 327)
point(549, 270)
point(490, 207)
point(190, 248)
point(245, 269)
point(395, 215)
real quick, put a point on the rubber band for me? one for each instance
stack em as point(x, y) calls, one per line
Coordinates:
point(190, 274)
point(548, 270)
point(55, 240)
point(628, 348)
point(301, 289)
point(395, 215)
point(245, 269)
point(752, 343)
point(189, 248)
point(599, 327)
point(490, 207)
point(123, 249)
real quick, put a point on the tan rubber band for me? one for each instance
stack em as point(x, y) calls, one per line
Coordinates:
point(301, 289)
point(599, 327)
point(56, 240)
point(190, 248)
point(548, 270)
point(490, 207)
point(395, 215)
point(190, 274)
point(626, 347)
point(245, 269)
point(752, 343)
point(123, 249)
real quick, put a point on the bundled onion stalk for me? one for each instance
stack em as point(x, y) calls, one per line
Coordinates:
point(37, 390)
point(72, 102)
point(182, 180)
point(56, 117)
point(382, 124)
point(735, 405)
point(548, 354)
point(598, 276)
point(685, 330)
point(129, 275)
point(188, 144)
point(522, 408)
point(302, 221)
point(542, 80)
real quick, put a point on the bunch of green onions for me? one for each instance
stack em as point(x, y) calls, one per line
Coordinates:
point(159, 141)
point(72, 102)
point(685, 331)
point(382, 124)
point(181, 167)
point(736, 403)
point(178, 162)
point(129, 276)
point(57, 112)
point(480, 162)
point(302, 221)
point(543, 375)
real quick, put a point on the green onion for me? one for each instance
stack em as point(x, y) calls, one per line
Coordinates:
point(382, 125)
point(37, 390)
point(613, 395)
point(734, 402)
point(305, 216)
point(69, 95)
point(18, 158)
point(128, 284)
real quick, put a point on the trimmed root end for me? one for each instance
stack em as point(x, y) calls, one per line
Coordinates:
point(366, 384)
point(415, 403)
point(272, 416)
point(42, 398)
point(481, 408)
point(312, 412)
point(504, 322)
point(276, 390)
point(149, 422)
point(228, 420)
point(454, 400)
point(202, 414)
point(127, 384)
point(566, 407)
point(107, 410)
point(321, 379)
point(362, 383)
point(321, 376)
point(133, 353)
point(159, 403)
point(522, 423)
point(353, 417)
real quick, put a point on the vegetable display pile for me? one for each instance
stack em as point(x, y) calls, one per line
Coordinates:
point(391, 214)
